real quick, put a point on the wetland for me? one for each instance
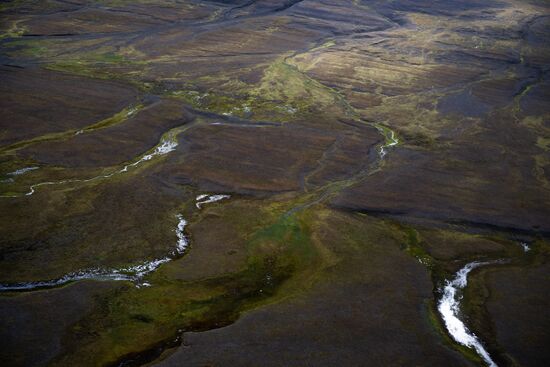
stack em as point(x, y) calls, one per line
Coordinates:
point(274, 183)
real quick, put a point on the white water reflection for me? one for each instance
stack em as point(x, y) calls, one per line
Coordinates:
point(392, 141)
point(206, 199)
point(133, 273)
point(22, 171)
point(449, 308)
point(165, 147)
point(525, 246)
point(183, 242)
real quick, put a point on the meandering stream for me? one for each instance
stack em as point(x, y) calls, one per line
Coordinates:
point(390, 139)
point(163, 148)
point(449, 309)
point(134, 273)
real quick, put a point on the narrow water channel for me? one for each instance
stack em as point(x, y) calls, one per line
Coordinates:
point(449, 309)
point(134, 273)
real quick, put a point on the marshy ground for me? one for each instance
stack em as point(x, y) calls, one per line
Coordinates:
point(369, 149)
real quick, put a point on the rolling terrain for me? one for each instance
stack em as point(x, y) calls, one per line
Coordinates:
point(274, 183)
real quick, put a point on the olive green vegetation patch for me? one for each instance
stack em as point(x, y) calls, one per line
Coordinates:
point(15, 31)
point(136, 319)
point(119, 117)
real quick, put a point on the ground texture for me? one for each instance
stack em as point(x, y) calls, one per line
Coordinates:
point(367, 150)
